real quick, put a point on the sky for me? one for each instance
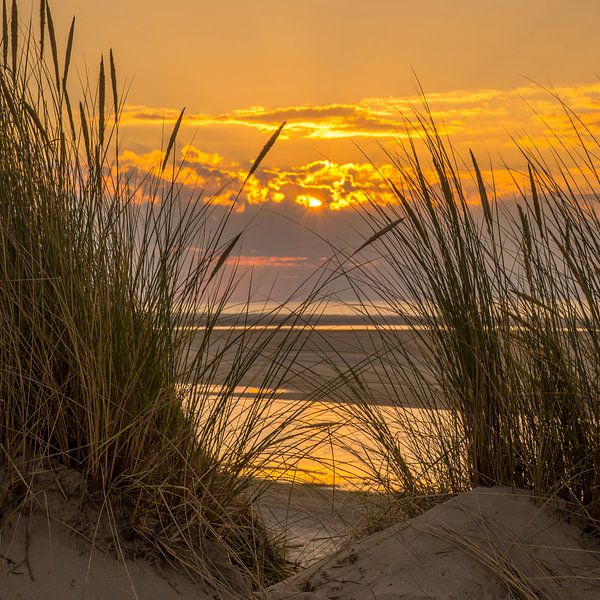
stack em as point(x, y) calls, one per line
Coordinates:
point(346, 76)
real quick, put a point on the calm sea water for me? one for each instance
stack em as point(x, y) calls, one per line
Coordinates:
point(317, 372)
point(331, 366)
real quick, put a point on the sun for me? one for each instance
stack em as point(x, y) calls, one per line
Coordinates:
point(309, 201)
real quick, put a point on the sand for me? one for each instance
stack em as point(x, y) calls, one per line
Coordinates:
point(62, 548)
point(314, 520)
point(43, 561)
point(487, 544)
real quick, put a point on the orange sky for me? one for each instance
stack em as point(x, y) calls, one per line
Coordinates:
point(341, 73)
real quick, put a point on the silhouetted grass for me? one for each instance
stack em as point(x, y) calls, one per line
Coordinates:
point(503, 359)
point(98, 369)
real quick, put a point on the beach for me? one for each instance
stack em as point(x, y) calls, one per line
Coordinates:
point(300, 336)
point(490, 543)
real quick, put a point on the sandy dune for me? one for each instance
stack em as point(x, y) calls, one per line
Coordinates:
point(62, 548)
point(43, 561)
point(488, 544)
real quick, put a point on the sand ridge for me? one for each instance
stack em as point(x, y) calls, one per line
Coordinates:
point(491, 544)
point(60, 545)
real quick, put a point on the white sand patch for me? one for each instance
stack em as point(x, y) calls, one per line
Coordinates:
point(487, 544)
point(59, 546)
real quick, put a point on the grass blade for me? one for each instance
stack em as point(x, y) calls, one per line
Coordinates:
point(68, 53)
point(536, 200)
point(379, 234)
point(224, 256)
point(86, 133)
point(172, 140)
point(101, 102)
point(36, 120)
point(264, 152)
point(409, 211)
point(113, 81)
point(42, 26)
point(4, 33)
point(14, 35)
point(53, 45)
point(487, 213)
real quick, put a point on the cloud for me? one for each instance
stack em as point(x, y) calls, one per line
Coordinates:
point(321, 183)
point(271, 261)
point(191, 154)
point(310, 122)
point(459, 112)
point(318, 186)
point(311, 182)
point(484, 120)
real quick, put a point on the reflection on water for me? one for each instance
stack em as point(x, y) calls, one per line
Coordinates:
point(322, 444)
point(214, 391)
point(320, 440)
point(344, 327)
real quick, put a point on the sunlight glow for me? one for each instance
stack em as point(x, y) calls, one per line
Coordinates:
point(476, 119)
point(308, 201)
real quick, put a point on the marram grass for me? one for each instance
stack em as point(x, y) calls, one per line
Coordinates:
point(96, 364)
point(503, 360)
point(99, 371)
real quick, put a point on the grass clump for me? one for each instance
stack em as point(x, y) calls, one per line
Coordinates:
point(110, 362)
point(496, 380)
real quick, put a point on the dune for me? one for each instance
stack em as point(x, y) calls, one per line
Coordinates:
point(60, 545)
point(487, 544)
point(43, 561)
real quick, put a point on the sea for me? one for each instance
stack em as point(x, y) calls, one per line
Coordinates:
point(310, 391)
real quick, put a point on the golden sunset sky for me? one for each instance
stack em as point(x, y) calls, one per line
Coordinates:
point(342, 74)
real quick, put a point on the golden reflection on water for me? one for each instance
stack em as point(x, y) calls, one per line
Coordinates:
point(322, 444)
point(327, 328)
